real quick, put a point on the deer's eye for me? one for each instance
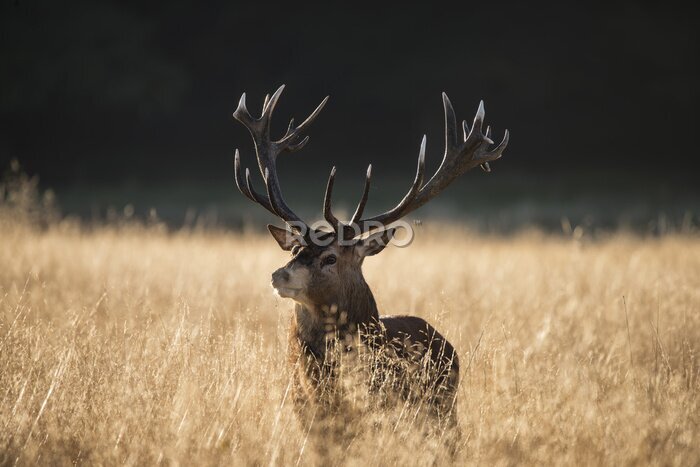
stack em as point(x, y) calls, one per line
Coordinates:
point(295, 250)
point(330, 259)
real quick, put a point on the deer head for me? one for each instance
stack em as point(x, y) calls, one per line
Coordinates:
point(325, 275)
point(325, 269)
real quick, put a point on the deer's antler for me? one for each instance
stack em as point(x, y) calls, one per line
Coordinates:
point(462, 153)
point(267, 151)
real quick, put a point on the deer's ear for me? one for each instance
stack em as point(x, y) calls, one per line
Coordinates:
point(374, 243)
point(286, 239)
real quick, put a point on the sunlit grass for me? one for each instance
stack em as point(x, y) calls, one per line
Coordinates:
point(127, 344)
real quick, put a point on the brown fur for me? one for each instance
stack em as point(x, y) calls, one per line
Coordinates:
point(335, 310)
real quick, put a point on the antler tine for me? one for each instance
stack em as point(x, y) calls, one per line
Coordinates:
point(420, 170)
point(243, 115)
point(271, 104)
point(403, 207)
point(363, 201)
point(327, 208)
point(451, 139)
point(240, 183)
point(461, 155)
point(497, 152)
point(298, 146)
point(313, 114)
point(479, 119)
point(290, 128)
point(465, 129)
point(245, 185)
point(293, 133)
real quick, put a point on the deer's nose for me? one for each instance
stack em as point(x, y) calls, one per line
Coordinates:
point(281, 275)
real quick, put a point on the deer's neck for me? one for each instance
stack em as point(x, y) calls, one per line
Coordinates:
point(353, 308)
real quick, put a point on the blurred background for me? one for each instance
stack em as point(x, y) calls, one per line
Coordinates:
point(124, 108)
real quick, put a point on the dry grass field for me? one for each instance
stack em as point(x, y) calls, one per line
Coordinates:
point(128, 344)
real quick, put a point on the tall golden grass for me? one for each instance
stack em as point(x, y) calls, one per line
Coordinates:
point(128, 344)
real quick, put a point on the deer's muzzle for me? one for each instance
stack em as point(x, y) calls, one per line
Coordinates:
point(283, 283)
point(280, 277)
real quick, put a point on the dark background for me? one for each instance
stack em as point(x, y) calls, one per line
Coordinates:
point(130, 102)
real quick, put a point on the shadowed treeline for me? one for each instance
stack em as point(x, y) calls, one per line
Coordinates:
point(578, 204)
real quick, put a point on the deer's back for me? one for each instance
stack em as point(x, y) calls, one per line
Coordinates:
point(403, 329)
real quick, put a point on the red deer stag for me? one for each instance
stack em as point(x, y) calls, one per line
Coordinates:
point(324, 275)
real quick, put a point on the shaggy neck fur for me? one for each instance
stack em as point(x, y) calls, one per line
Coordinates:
point(353, 308)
